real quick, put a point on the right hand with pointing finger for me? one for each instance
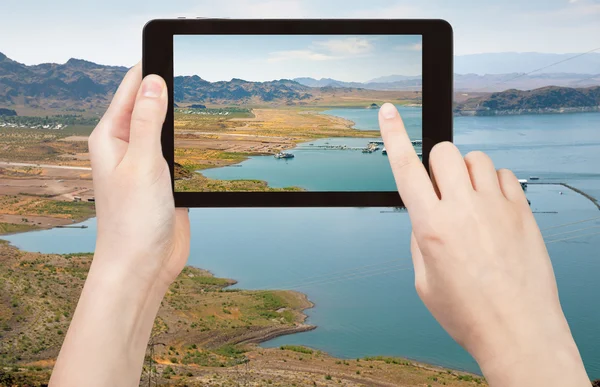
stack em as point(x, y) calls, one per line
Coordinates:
point(481, 265)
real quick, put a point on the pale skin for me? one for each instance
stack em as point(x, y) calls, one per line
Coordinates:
point(481, 266)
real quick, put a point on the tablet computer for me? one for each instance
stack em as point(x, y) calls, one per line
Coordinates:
point(284, 113)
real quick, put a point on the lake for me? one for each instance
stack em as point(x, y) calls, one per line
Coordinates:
point(355, 263)
point(316, 168)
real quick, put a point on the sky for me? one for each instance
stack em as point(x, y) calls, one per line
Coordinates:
point(265, 58)
point(109, 31)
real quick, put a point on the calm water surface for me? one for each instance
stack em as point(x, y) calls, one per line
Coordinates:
point(355, 263)
point(315, 168)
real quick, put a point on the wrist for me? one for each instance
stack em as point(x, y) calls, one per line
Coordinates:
point(535, 359)
point(137, 271)
point(111, 326)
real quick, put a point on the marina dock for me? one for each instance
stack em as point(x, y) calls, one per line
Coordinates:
point(371, 147)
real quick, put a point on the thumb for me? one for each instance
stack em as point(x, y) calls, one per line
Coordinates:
point(147, 120)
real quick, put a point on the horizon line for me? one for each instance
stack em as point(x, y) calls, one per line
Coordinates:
point(455, 56)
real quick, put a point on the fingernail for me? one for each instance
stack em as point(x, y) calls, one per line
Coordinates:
point(152, 87)
point(388, 111)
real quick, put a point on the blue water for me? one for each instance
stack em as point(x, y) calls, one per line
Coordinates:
point(366, 119)
point(320, 251)
point(369, 172)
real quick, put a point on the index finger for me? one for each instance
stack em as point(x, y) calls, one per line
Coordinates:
point(412, 180)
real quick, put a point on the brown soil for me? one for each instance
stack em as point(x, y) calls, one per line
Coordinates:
point(279, 367)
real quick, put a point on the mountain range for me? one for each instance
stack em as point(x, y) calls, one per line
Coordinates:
point(194, 88)
point(468, 82)
point(75, 85)
point(546, 99)
point(83, 86)
point(392, 82)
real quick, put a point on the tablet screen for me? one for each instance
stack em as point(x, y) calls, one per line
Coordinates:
point(291, 112)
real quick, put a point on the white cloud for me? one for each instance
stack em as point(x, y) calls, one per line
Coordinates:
point(249, 9)
point(346, 47)
point(116, 36)
point(279, 56)
point(326, 50)
point(389, 12)
point(410, 47)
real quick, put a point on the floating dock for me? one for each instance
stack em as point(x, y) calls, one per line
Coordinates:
point(414, 142)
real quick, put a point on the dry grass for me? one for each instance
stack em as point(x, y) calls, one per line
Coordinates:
point(36, 145)
point(199, 183)
point(209, 141)
point(33, 206)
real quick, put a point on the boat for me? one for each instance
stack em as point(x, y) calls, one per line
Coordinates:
point(533, 178)
point(284, 155)
point(384, 151)
point(370, 148)
point(523, 183)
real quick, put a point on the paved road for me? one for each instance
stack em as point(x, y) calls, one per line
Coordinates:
point(8, 164)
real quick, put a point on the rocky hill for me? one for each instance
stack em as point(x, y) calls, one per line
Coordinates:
point(84, 87)
point(75, 85)
point(545, 99)
point(196, 89)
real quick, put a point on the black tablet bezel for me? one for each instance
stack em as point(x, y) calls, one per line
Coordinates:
point(437, 94)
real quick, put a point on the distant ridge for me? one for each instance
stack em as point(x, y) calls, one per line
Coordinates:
point(521, 81)
point(395, 78)
point(407, 84)
point(83, 86)
point(194, 88)
point(74, 85)
point(550, 99)
point(468, 82)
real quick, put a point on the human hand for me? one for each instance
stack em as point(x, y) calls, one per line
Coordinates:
point(136, 214)
point(481, 266)
point(142, 244)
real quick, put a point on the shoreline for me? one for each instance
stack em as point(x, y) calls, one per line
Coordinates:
point(287, 143)
point(522, 112)
point(183, 344)
point(256, 338)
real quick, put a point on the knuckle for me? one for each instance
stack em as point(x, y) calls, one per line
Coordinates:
point(433, 235)
point(402, 161)
point(475, 157)
point(420, 287)
point(142, 119)
point(507, 174)
point(441, 150)
point(147, 112)
point(432, 239)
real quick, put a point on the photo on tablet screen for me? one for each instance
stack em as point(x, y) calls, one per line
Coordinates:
point(291, 112)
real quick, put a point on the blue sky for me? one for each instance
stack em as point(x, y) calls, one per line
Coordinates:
point(109, 31)
point(265, 58)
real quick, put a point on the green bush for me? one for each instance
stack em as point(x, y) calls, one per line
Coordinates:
point(297, 348)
